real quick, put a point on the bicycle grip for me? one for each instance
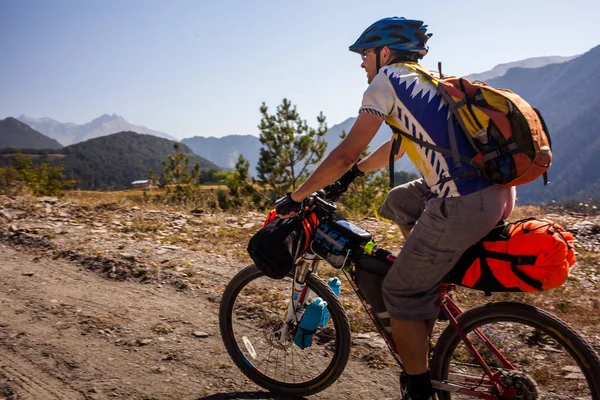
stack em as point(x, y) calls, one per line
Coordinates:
point(382, 255)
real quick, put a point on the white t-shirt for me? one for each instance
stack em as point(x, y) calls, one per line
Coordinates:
point(410, 102)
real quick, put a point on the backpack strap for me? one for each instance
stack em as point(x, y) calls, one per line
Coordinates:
point(453, 106)
point(534, 283)
point(476, 172)
point(487, 273)
point(545, 127)
point(393, 152)
point(436, 148)
point(509, 148)
point(512, 258)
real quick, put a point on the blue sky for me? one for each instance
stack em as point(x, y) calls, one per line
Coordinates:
point(202, 67)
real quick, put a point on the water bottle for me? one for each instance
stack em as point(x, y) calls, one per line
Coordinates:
point(335, 284)
point(310, 322)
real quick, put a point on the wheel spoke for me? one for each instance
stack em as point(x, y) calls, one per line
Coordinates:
point(257, 313)
point(538, 352)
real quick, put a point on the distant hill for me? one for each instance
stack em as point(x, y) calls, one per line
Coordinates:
point(560, 91)
point(501, 69)
point(15, 134)
point(113, 161)
point(70, 133)
point(574, 172)
point(224, 151)
point(567, 96)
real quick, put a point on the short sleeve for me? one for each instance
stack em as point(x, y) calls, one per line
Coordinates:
point(379, 97)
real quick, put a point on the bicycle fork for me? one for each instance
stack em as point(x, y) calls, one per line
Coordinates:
point(300, 293)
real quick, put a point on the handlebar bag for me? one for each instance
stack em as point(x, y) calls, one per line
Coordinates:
point(277, 246)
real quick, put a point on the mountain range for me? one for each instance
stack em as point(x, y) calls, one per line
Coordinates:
point(568, 98)
point(224, 151)
point(110, 162)
point(70, 133)
point(563, 88)
point(15, 134)
point(528, 63)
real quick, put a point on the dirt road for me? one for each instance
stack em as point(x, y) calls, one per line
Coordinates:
point(110, 301)
point(67, 333)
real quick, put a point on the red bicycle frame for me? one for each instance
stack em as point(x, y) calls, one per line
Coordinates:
point(451, 311)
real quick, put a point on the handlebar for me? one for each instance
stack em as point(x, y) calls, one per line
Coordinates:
point(318, 200)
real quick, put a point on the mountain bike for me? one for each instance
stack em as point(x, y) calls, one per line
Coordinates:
point(502, 350)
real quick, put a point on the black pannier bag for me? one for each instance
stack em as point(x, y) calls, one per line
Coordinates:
point(369, 273)
point(276, 247)
point(335, 239)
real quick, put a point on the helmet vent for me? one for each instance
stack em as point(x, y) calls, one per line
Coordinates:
point(374, 38)
point(398, 34)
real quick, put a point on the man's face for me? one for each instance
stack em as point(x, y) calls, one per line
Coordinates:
point(369, 63)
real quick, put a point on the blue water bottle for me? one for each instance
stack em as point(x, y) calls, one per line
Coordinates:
point(335, 284)
point(310, 322)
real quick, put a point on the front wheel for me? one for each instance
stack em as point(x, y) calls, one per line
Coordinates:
point(252, 310)
point(544, 357)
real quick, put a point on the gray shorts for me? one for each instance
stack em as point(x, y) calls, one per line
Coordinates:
point(441, 230)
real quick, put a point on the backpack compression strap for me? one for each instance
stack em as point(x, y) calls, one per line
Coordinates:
point(457, 158)
point(393, 152)
point(474, 173)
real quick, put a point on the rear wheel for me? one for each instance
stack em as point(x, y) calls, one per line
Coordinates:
point(549, 359)
point(252, 311)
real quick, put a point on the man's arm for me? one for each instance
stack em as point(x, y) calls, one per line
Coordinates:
point(342, 157)
point(379, 158)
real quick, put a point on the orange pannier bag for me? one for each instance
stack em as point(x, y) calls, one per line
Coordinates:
point(528, 255)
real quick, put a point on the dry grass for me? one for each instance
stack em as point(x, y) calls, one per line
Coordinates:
point(142, 199)
point(576, 301)
point(521, 212)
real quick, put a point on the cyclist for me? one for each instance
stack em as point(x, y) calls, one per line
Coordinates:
point(439, 220)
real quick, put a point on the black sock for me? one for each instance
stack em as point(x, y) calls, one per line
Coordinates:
point(419, 386)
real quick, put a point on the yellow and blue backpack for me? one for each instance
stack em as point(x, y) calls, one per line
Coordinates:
point(509, 135)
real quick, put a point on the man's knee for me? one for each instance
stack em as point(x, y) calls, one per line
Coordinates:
point(407, 303)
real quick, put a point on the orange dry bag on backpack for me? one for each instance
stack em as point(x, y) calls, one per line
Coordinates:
point(529, 255)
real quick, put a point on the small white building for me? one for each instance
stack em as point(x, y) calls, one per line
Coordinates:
point(142, 184)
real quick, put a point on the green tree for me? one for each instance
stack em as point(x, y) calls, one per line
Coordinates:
point(289, 147)
point(43, 179)
point(238, 185)
point(237, 181)
point(179, 180)
point(366, 194)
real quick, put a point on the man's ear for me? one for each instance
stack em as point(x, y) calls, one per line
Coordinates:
point(385, 54)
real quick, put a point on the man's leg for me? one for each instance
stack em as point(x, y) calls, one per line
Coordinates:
point(411, 289)
point(412, 339)
point(412, 343)
point(404, 205)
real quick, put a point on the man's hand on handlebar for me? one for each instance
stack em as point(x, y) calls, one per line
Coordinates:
point(334, 191)
point(287, 207)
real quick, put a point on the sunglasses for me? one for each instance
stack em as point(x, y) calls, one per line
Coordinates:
point(365, 53)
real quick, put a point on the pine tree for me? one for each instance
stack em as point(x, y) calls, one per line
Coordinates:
point(237, 181)
point(179, 180)
point(366, 194)
point(289, 147)
point(43, 179)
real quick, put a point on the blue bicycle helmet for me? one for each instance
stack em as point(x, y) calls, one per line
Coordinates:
point(396, 33)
